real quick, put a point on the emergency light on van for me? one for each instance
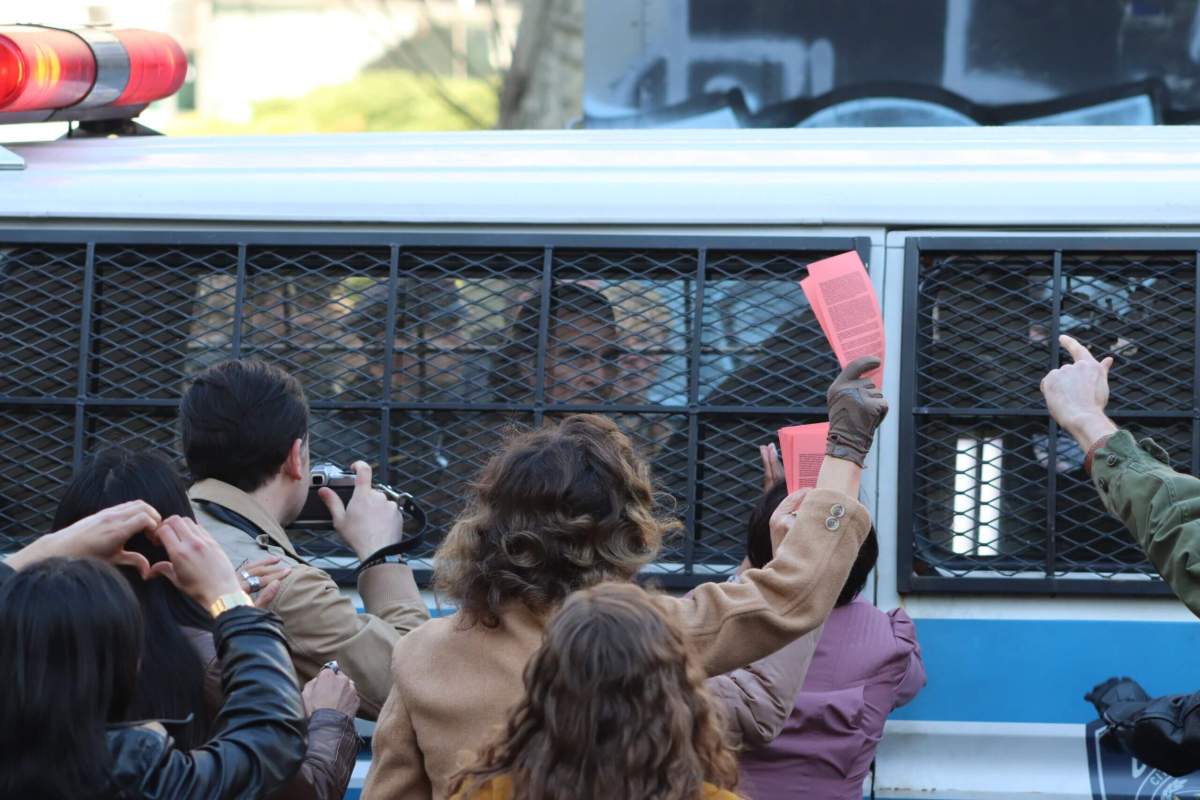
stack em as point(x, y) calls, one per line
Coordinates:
point(49, 74)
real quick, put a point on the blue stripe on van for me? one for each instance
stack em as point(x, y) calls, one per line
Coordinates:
point(1039, 670)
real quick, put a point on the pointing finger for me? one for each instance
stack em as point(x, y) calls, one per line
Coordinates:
point(1078, 352)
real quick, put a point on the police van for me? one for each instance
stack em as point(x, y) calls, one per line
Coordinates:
point(429, 289)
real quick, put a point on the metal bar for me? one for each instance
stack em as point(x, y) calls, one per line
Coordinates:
point(539, 386)
point(1196, 367)
point(1056, 242)
point(1052, 441)
point(906, 532)
point(936, 411)
point(389, 353)
point(1038, 586)
point(693, 412)
point(85, 344)
point(239, 301)
point(304, 235)
point(817, 413)
point(862, 245)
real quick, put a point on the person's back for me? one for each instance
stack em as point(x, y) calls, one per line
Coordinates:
point(867, 664)
point(613, 705)
point(245, 434)
point(564, 508)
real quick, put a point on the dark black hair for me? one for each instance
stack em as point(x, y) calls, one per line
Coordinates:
point(238, 420)
point(70, 642)
point(172, 679)
point(759, 550)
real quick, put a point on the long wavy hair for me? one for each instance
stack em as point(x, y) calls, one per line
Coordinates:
point(70, 642)
point(615, 706)
point(557, 509)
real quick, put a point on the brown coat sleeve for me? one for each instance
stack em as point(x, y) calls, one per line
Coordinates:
point(397, 766)
point(329, 760)
point(732, 624)
point(322, 624)
point(757, 700)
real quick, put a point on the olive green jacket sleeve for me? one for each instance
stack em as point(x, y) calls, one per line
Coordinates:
point(1161, 508)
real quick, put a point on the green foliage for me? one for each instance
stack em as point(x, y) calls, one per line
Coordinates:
point(378, 100)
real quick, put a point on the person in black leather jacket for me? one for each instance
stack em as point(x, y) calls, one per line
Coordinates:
point(70, 637)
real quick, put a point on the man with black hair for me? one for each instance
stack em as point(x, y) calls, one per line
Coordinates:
point(244, 428)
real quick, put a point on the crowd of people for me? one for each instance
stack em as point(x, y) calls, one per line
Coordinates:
point(158, 640)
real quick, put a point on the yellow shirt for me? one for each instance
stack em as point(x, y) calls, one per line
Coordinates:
point(501, 789)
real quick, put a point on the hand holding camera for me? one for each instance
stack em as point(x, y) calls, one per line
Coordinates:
point(370, 521)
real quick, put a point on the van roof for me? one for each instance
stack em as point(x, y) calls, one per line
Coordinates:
point(1124, 176)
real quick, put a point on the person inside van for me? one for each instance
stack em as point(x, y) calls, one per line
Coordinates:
point(244, 428)
point(583, 348)
point(180, 673)
point(1161, 509)
point(71, 642)
point(571, 505)
point(867, 664)
point(614, 706)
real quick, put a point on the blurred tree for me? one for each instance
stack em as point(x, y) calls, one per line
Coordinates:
point(377, 100)
point(544, 86)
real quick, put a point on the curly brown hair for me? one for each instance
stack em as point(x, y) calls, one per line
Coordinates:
point(614, 706)
point(557, 509)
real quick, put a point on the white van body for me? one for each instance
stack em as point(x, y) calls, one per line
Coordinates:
point(1002, 715)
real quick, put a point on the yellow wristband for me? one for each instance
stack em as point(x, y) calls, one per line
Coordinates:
point(228, 601)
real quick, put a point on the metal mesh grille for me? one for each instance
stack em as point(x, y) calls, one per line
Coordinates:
point(419, 357)
point(997, 490)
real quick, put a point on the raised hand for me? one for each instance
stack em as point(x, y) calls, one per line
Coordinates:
point(102, 535)
point(370, 521)
point(333, 690)
point(1077, 393)
point(856, 407)
point(772, 466)
point(198, 565)
point(784, 516)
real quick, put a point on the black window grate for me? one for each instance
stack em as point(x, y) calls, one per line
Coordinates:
point(418, 353)
point(993, 495)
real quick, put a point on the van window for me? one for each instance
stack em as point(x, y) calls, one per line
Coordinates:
point(419, 354)
point(994, 489)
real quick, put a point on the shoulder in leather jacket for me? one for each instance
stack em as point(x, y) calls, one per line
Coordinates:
point(332, 740)
point(260, 730)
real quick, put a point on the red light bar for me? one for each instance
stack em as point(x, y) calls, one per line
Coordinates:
point(157, 66)
point(85, 73)
point(44, 69)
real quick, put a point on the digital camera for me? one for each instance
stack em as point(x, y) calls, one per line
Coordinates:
point(315, 514)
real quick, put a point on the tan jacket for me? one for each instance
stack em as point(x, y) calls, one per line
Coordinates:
point(453, 686)
point(320, 623)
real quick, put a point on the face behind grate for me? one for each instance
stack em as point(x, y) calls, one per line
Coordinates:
point(419, 360)
point(997, 489)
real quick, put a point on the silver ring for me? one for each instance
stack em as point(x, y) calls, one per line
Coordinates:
point(332, 666)
point(244, 575)
point(254, 583)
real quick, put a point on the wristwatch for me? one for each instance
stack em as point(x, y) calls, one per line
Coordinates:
point(228, 601)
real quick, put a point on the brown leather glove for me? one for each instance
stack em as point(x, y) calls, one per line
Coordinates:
point(856, 407)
